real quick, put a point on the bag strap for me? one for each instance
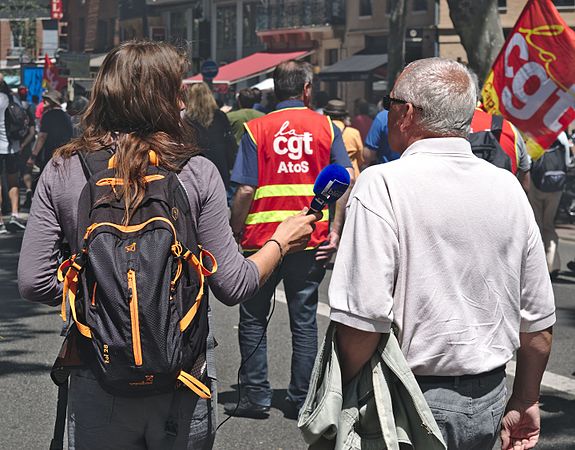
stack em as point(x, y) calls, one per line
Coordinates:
point(85, 166)
point(171, 426)
point(497, 126)
point(57, 442)
point(94, 162)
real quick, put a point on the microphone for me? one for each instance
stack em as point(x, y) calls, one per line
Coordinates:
point(330, 185)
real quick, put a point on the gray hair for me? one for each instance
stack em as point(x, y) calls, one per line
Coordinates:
point(290, 78)
point(445, 92)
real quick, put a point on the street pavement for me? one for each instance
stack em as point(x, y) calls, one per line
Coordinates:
point(29, 341)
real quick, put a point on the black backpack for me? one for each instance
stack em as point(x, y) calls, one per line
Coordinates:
point(549, 172)
point(17, 120)
point(485, 145)
point(136, 293)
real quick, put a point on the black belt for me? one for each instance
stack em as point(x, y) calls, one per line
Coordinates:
point(451, 379)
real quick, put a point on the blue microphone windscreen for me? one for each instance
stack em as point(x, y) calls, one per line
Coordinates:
point(333, 177)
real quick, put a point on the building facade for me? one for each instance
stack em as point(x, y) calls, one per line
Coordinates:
point(242, 27)
point(27, 34)
point(367, 32)
point(92, 25)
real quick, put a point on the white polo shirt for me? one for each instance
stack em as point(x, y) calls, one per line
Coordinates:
point(445, 245)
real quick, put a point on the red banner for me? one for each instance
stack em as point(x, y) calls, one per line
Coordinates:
point(532, 81)
point(56, 11)
point(51, 79)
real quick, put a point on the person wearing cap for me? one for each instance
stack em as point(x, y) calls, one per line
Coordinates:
point(55, 130)
point(337, 112)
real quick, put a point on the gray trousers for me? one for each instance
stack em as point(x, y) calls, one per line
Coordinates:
point(468, 412)
point(100, 421)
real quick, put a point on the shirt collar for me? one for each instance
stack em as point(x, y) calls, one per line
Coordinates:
point(440, 146)
point(290, 104)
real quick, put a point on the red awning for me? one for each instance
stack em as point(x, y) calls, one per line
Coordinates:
point(250, 66)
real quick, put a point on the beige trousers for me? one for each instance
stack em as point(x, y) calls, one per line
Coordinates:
point(545, 206)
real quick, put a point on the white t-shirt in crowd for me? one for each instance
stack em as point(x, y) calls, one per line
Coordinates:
point(445, 245)
point(6, 147)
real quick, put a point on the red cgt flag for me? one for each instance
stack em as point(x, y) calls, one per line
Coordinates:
point(532, 81)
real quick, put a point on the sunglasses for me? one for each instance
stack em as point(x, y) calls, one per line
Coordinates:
point(387, 101)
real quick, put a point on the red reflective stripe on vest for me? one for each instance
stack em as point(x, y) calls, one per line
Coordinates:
point(293, 145)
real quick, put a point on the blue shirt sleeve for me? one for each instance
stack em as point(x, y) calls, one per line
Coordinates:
point(338, 153)
point(377, 132)
point(245, 169)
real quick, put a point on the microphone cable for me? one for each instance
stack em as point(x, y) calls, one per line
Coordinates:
point(273, 307)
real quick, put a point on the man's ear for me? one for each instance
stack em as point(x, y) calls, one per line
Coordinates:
point(408, 118)
point(307, 93)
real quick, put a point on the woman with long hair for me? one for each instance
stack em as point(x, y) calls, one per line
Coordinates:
point(135, 109)
point(211, 129)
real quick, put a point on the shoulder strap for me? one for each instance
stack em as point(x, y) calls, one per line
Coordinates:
point(185, 161)
point(94, 162)
point(57, 442)
point(85, 167)
point(497, 126)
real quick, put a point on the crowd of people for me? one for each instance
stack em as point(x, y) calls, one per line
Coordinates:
point(426, 248)
point(30, 132)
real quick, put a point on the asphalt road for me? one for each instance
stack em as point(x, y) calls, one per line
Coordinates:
point(29, 340)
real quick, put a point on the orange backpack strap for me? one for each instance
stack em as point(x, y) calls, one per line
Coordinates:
point(68, 272)
point(152, 155)
point(195, 385)
point(202, 272)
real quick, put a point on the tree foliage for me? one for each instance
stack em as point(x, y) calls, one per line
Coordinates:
point(23, 9)
point(479, 28)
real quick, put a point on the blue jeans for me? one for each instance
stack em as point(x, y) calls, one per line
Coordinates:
point(301, 276)
point(468, 412)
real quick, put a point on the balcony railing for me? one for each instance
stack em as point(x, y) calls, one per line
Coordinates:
point(278, 14)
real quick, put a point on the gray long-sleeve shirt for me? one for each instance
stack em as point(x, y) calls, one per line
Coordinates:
point(54, 216)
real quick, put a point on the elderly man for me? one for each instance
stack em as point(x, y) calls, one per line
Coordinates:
point(431, 245)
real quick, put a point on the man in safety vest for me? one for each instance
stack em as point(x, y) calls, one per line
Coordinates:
point(278, 160)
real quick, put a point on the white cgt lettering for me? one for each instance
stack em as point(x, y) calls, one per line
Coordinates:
point(531, 102)
point(566, 101)
point(289, 142)
point(517, 40)
point(534, 101)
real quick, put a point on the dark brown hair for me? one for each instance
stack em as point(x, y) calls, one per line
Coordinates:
point(134, 108)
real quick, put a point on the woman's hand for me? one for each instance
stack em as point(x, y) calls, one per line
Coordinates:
point(294, 232)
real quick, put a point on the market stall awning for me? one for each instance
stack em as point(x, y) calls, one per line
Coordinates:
point(250, 66)
point(266, 85)
point(97, 60)
point(355, 68)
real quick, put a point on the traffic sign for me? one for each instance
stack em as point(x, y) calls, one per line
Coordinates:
point(209, 69)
